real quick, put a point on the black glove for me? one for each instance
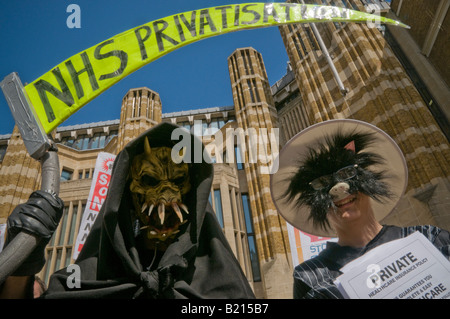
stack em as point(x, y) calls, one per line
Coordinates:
point(39, 216)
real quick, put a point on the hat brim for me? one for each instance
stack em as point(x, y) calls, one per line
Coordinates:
point(297, 147)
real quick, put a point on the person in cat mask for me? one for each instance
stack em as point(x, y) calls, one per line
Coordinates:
point(156, 235)
point(341, 178)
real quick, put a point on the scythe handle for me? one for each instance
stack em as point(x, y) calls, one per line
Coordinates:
point(16, 252)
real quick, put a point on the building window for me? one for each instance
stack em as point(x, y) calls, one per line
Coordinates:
point(66, 175)
point(86, 142)
point(214, 125)
point(63, 226)
point(251, 238)
point(218, 206)
point(3, 151)
point(185, 125)
point(81, 143)
point(84, 173)
point(204, 128)
point(94, 141)
point(239, 162)
point(250, 90)
point(60, 247)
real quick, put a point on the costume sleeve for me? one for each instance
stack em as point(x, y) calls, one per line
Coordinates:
point(440, 238)
point(442, 242)
point(300, 289)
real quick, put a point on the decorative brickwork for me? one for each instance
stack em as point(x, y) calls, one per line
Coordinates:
point(141, 109)
point(20, 175)
point(255, 109)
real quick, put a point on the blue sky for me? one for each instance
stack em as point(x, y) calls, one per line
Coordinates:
point(35, 38)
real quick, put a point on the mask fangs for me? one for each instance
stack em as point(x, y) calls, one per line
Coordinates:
point(158, 187)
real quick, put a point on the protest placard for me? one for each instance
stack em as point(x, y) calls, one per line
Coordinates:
point(97, 195)
point(408, 268)
point(305, 246)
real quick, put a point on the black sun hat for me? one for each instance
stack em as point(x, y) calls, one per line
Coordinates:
point(298, 147)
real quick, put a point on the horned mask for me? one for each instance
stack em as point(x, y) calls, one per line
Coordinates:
point(158, 187)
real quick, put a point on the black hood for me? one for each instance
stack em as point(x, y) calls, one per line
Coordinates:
point(199, 264)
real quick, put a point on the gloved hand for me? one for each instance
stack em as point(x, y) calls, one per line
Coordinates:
point(39, 216)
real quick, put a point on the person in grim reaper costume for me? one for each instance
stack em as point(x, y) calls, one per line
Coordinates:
point(341, 178)
point(156, 235)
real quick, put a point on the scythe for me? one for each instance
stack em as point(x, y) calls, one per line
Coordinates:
point(41, 148)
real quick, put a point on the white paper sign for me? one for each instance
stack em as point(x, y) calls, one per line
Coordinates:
point(97, 195)
point(408, 268)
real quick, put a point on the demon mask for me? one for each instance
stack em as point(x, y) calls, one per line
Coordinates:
point(158, 187)
point(334, 169)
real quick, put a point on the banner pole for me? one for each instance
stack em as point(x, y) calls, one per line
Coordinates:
point(324, 49)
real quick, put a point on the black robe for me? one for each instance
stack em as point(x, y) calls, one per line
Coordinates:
point(199, 264)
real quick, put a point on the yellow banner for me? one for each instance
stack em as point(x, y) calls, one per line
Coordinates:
point(70, 85)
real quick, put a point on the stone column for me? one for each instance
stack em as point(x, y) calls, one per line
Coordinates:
point(255, 112)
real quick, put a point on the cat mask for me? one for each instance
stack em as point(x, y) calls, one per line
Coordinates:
point(330, 160)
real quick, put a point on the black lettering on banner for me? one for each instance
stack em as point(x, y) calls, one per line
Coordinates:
point(190, 26)
point(345, 13)
point(223, 10)
point(141, 39)
point(316, 14)
point(92, 217)
point(269, 10)
point(236, 15)
point(256, 15)
point(64, 94)
point(320, 12)
point(332, 12)
point(160, 35)
point(287, 8)
point(122, 55)
point(303, 10)
point(198, 23)
point(76, 75)
point(87, 228)
point(179, 28)
point(205, 20)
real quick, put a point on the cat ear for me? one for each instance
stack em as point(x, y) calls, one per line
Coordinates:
point(147, 149)
point(350, 146)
